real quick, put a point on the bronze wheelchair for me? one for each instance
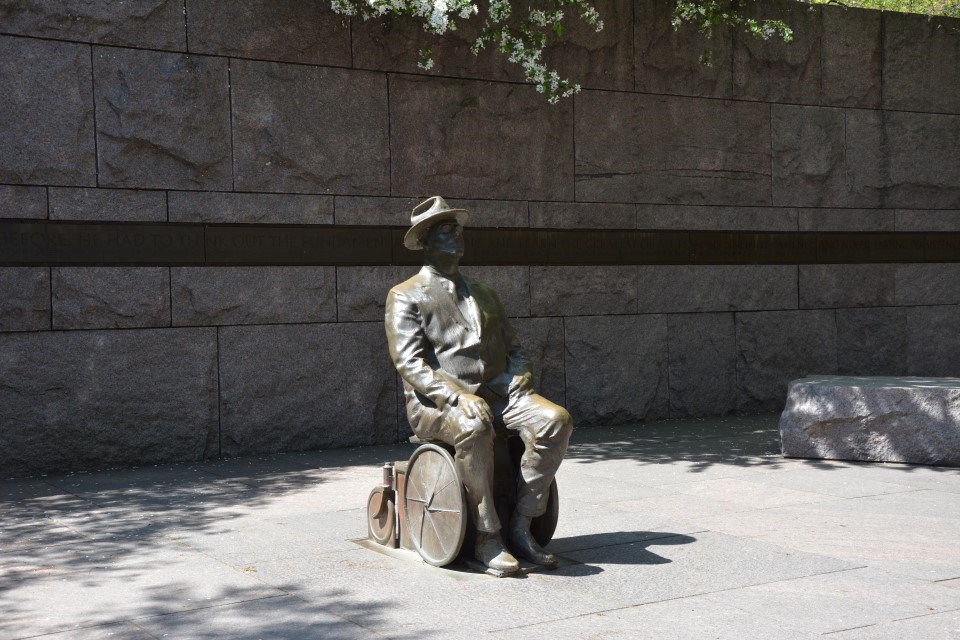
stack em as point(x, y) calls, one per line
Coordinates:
point(421, 503)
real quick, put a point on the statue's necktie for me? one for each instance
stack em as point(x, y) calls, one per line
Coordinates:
point(467, 305)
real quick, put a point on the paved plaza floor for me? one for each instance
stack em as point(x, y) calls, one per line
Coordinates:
point(676, 529)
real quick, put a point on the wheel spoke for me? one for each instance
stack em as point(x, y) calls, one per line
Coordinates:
point(436, 481)
point(420, 500)
point(441, 510)
point(452, 480)
point(423, 517)
point(436, 532)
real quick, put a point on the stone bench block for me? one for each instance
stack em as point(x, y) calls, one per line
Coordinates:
point(874, 419)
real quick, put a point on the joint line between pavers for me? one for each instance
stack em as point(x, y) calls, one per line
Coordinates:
point(925, 615)
point(691, 595)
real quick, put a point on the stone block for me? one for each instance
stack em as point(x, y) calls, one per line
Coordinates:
point(808, 155)
point(827, 157)
point(577, 215)
point(283, 30)
point(774, 347)
point(23, 202)
point(252, 295)
point(110, 297)
point(299, 387)
point(46, 113)
point(362, 291)
point(872, 342)
point(395, 212)
point(924, 159)
point(927, 220)
point(863, 158)
point(666, 149)
point(828, 286)
point(163, 120)
point(927, 284)
point(668, 60)
point(463, 138)
point(616, 369)
point(108, 205)
point(852, 56)
point(24, 298)
point(150, 24)
point(846, 220)
point(933, 342)
point(583, 290)
point(392, 43)
point(80, 400)
point(542, 340)
point(702, 364)
point(699, 288)
point(708, 218)
point(776, 71)
point(597, 60)
point(913, 420)
point(921, 63)
point(512, 284)
point(309, 129)
point(260, 208)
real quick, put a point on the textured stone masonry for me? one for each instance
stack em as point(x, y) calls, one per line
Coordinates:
point(264, 208)
point(163, 120)
point(75, 400)
point(243, 112)
point(298, 387)
point(464, 138)
point(46, 118)
point(204, 296)
point(647, 148)
point(17, 201)
point(113, 205)
point(151, 24)
point(110, 297)
point(24, 298)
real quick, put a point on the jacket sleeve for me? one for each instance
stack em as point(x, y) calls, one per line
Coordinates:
point(411, 352)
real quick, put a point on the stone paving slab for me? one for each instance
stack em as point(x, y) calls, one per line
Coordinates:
point(675, 529)
point(937, 626)
point(151, 581)
point(833, 602)
point(691, 618)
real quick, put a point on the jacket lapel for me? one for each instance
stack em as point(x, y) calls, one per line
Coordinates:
point(445, 300)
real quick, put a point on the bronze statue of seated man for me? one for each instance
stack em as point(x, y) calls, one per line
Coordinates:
point(464, 372)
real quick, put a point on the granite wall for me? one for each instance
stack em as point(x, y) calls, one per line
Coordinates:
point(277, 111)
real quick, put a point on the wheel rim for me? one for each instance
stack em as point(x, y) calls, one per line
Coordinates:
point(434, 505)
point(380, 527)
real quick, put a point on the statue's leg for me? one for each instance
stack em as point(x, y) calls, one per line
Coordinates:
point(545, 429)
point(472, 440)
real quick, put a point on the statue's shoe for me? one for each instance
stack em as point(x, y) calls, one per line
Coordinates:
point(490, 551)
point(524, 545)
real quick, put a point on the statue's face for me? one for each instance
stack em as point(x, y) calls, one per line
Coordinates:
point(445, 237)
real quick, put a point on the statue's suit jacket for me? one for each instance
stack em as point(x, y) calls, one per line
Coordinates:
point(438, 352)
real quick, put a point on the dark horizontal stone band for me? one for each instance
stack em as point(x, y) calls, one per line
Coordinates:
point(53, 243)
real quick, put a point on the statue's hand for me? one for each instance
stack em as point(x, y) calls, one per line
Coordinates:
point(475, 407)
point(522, 385)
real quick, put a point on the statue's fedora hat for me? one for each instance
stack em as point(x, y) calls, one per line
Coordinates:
point(428, 213)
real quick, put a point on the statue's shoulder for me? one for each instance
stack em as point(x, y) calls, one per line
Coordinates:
point(409, 289)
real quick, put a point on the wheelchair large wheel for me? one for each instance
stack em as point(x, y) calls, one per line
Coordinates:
point(435, 505)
